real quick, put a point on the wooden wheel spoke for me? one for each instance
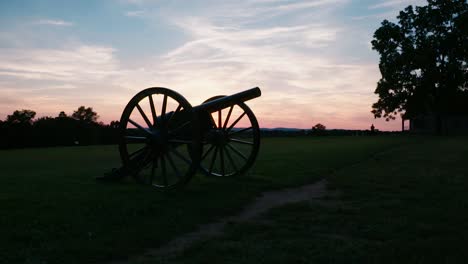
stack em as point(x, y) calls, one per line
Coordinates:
point(179, 127)
point(207, 152)
point(174, 113)
point(139, 160)
point(174, 167)
point(227, 117)
point(139, 126)
point(235, 122)
point(240, 131)
point(153, 110)
point(221, 155)
point(163, 170)
point(241, 141)
point(180, 156)
point(213, 121)
point(220, 119)
point(213, 160)
point(163, 109)
point(237, 151)
point(231, 161)
point(142, 113)
point(137, 152)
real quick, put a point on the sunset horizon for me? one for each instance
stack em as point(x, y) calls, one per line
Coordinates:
point(312, 59)
point(234, 131)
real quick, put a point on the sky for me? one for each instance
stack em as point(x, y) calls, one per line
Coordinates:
point(312, 58)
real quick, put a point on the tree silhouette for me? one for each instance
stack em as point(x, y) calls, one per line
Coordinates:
point(62, 114)
point(423, 61)
point(21, 117)
point(114, 124)
point(319, 127)
point(20, 129)
point(85, 114)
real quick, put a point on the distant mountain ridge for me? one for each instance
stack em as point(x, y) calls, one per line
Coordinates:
point(283, 129)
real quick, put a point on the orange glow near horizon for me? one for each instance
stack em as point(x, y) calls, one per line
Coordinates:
point(312, 59)
point(269, 115)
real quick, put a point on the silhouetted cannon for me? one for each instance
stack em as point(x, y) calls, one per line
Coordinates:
point(164, 141)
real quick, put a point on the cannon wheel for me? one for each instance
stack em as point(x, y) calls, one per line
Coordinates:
point(228, 148)
point(157, 142)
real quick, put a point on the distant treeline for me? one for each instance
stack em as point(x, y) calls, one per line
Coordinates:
point(21, 130)
point(329, 132)
point(319, 130)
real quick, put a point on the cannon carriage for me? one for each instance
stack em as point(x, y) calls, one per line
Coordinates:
point(164, 140)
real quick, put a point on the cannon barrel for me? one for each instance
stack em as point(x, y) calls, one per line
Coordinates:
point(227, 101)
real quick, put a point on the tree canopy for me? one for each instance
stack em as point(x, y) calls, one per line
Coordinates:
point(85, 114)
point(423, 61)
point(21, 129)
point(62, 114)
point(319, 127)
point(21, 117)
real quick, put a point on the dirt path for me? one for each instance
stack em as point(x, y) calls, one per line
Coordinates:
point(262, 204)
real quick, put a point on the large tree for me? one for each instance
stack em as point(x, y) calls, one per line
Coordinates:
point(423, 61)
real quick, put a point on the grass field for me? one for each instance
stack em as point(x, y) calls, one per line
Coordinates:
point(402, 199)
point(408, 204)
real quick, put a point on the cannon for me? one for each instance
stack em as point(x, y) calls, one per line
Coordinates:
point(164, 140)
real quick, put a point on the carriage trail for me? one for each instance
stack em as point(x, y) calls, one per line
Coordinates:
point(262, 204)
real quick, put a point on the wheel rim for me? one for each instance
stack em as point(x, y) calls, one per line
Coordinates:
point(157, 141)
point(231, 144)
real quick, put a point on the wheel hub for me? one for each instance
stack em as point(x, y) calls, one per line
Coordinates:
point(159, 140)
point(218, 137)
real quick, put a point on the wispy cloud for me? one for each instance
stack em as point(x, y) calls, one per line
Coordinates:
point(381, 16)
point(396, 3)
point(54, 22)
point(302, 81)
point(308, 4)
point(292, 49)
point(82, 62)
point(63, 78)
point(137, 13)
point(296, 62)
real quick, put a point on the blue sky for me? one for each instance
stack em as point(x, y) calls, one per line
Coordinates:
point(312, 59)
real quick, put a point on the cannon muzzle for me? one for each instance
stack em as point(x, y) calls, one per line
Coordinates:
point(227, 101)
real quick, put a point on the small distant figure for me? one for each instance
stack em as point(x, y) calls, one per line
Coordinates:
point(372, 129)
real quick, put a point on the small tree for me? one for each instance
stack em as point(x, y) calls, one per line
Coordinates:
point(85, 114)
point(319, 127)
point(62, 114)
point(114, 124)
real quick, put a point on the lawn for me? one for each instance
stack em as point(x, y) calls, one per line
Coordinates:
point(408, 204)
point(53, 211)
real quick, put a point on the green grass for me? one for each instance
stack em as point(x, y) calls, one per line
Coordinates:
point(53, 211)
point(405, 205)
